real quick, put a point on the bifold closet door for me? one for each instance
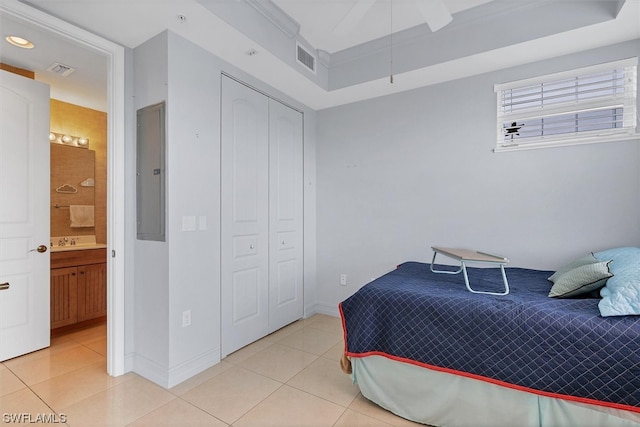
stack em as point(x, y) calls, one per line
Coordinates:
point(285, 215)
point(262, 207)
point(244, 216)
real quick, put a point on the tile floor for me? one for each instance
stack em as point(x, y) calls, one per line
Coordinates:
point(289, 378)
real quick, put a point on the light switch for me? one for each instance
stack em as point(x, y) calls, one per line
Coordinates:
point(189, 223)
point(202, 222)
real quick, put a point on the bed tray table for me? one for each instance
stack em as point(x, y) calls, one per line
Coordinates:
point(466, 255)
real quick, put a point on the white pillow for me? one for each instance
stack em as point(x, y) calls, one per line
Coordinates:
point(581, 280)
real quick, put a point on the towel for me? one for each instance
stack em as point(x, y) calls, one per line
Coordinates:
point(81, 216)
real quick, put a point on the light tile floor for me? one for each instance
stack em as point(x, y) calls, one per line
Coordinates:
point(289, 378)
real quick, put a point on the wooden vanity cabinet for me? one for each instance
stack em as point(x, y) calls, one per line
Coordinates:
point(64, 296)
point(92, 291)
point(78, 288)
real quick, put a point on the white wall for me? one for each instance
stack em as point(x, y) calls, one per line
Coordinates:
point(183, 273)
point(151, 276)
point(401, 173)
point(130, 210)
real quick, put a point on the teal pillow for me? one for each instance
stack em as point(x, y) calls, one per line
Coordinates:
point(581, 280)
point(583, 260)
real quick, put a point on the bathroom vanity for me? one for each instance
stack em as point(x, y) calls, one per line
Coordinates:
point(78, 285)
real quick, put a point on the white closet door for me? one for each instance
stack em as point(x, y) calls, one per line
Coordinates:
point(244, 216)
point(285, 216)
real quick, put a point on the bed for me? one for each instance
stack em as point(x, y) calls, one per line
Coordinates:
point(422, 346)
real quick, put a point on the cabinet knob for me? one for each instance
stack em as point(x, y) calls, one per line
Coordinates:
point(4, 286)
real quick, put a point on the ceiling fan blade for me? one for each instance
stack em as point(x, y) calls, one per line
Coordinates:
point(435, 12)
point(353, 17)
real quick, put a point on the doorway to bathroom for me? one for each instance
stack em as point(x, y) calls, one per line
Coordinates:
point(115, 189)
point(78, 213)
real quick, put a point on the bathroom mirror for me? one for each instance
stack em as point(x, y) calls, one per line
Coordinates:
point(72, 183)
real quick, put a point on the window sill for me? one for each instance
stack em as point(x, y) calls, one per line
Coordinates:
point(566, 143)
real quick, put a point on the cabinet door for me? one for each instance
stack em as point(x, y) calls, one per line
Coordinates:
point(64, 296)
point(92, 291)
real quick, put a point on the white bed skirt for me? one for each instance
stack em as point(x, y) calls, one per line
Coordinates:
point(441, 399)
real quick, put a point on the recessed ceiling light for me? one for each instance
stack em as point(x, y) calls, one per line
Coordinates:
point(19, 42)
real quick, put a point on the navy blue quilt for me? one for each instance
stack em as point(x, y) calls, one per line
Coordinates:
point(557, 347)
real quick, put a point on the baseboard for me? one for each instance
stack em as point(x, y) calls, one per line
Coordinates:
point(328, 309)
point(150, 370)
point(309, 310)
point(173, 376)
point(192, 367)
point(128, 362)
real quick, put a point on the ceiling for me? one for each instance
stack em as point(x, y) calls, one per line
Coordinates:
point(87, 85)
point(318, 19)
point(483, 36)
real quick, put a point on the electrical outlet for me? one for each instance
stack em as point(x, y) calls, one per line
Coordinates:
point(186, 318)
point(343, 280)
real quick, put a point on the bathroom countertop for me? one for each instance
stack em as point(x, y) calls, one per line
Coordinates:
point(77, 247)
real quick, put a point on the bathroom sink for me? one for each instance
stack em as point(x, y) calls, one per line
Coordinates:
point(75, 243)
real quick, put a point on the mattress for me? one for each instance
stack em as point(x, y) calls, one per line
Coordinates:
point(560, 348)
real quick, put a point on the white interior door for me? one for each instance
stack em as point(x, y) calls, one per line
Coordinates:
point(24, 215)
point(285, 216)
point(244, 216)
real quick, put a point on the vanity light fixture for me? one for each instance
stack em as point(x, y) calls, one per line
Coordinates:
point(64, 139)
point(19, 42)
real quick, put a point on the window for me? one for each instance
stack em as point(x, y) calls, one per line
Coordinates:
point(592, 104)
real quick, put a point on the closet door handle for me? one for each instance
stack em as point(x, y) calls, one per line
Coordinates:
point(4, 286)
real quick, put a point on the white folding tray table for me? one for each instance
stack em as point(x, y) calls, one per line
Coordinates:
point(466, 255)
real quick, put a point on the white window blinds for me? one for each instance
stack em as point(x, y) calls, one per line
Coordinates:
point(592, 104)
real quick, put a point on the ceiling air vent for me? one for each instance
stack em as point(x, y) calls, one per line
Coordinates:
point(305, 58)
point(58, 68)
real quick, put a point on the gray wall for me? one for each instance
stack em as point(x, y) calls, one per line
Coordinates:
point(183, 273)
point(401, 173)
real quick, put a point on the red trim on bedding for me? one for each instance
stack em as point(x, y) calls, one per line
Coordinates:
point(481, 378)
point(344, 328)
